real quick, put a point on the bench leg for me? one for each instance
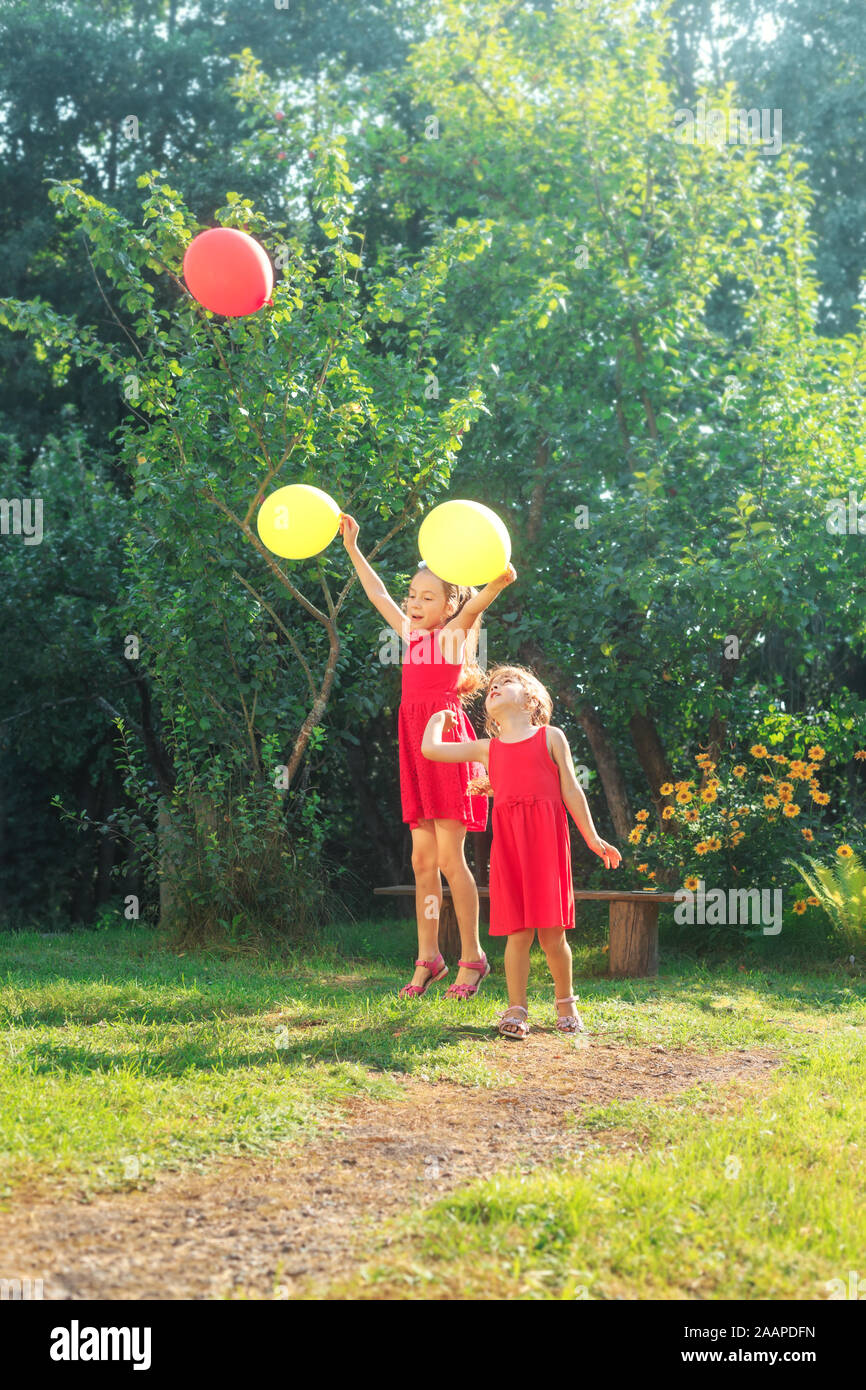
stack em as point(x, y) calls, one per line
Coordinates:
point(634, 939)
point(449, 933)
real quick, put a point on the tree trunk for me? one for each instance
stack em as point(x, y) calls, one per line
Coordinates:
point(654, 761)
point(634, 939)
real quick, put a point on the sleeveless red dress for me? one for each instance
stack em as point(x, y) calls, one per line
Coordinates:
point(429, 790)
point(530, 859)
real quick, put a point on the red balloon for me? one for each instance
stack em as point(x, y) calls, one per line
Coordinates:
point(228, 272)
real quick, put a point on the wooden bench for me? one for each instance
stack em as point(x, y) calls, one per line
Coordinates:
point(634, 930)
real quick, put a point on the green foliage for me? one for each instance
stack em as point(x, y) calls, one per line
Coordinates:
point(841, 888)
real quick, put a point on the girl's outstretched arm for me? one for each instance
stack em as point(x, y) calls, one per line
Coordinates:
point(472, 751)
point(575, 802)
point(370, 581)
point(474, 607)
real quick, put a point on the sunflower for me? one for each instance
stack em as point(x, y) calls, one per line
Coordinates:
point(765, 777)
point(740, 835)
point(844, 851)
point(635, 836)
point(642, 868)
point(714, 843)
point(691, 883)
point(820, 798)
point(807, 834)
point(784, 791)
point(642, 815)
point(758, 750)
point(799, 907)
point(813, 901)
point(791, 809)
point(816, 752)
point(739, 770)
point(860, 755)
point(692, 815)
point(684, 796)
point(665, 789)
point(800, 771)
point(771, 802)
point(701, 847)
point(779, 758)
point(708, 794)
point(668, 813)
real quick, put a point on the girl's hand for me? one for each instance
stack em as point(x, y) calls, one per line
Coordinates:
point(449, 721)
point(349, 529)
point(507, 577)
point(609, 853)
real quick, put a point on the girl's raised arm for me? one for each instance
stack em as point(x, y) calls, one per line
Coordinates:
point(474, 607)
point(473, 751)
point(370, 581)
point(575, 801)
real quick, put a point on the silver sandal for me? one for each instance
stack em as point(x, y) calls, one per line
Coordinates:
point(516, 1028)
point(565, 1023)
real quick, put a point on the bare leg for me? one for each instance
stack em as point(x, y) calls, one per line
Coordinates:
point(517, 949)
point(558, 953)
point(450, 840)
point(428, 895)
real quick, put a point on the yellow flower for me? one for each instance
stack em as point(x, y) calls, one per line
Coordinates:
point(682, 786)
point(799, 907)
point(691, 883)
point(735, 825)
point(779, 758)
point(765, 777)
point(642, 868)
point(701, 758)
point(709, 765)
point(811, 769)
point(714, 843)
point(821, 798)
point(758, 750)
point(651, 838)
point(642, 815)
point(652, 875)
point(785, 791)
point(708, 794)
point(770, 801)
point(800, 770)
point(739, 770)
point(807, 834)
point(792, 809)
point(740, 835)
point(665, 789)
point(668, 813)
point(844, 851)
point(684, 797)
point(813, 901)
point(860, 754)
point(692, 815)
point(743, 810)
point(701, 847)
point(636, 835)
point(816, 752)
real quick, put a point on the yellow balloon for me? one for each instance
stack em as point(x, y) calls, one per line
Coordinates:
point(464, 543)
point(298, 521)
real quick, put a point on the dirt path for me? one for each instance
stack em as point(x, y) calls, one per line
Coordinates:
point(272, 1228)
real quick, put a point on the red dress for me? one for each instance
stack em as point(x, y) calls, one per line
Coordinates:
point(530, 859)
point(429, 790)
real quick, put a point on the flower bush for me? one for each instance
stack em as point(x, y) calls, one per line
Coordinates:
point(737, 826)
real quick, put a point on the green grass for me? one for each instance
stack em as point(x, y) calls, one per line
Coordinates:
point(120, 1059)
point(757, 1198)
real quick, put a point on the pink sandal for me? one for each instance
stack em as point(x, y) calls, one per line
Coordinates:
point(565, 1023)
point(456, 991)
point(415, 991)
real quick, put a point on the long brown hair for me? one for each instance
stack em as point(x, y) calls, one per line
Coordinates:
point(471, 676)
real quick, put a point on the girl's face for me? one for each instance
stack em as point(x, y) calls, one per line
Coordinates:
point(427, 606)
point(505, 694)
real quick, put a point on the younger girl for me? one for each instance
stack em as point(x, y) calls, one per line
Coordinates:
point(440, 628)
point(532, 776)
